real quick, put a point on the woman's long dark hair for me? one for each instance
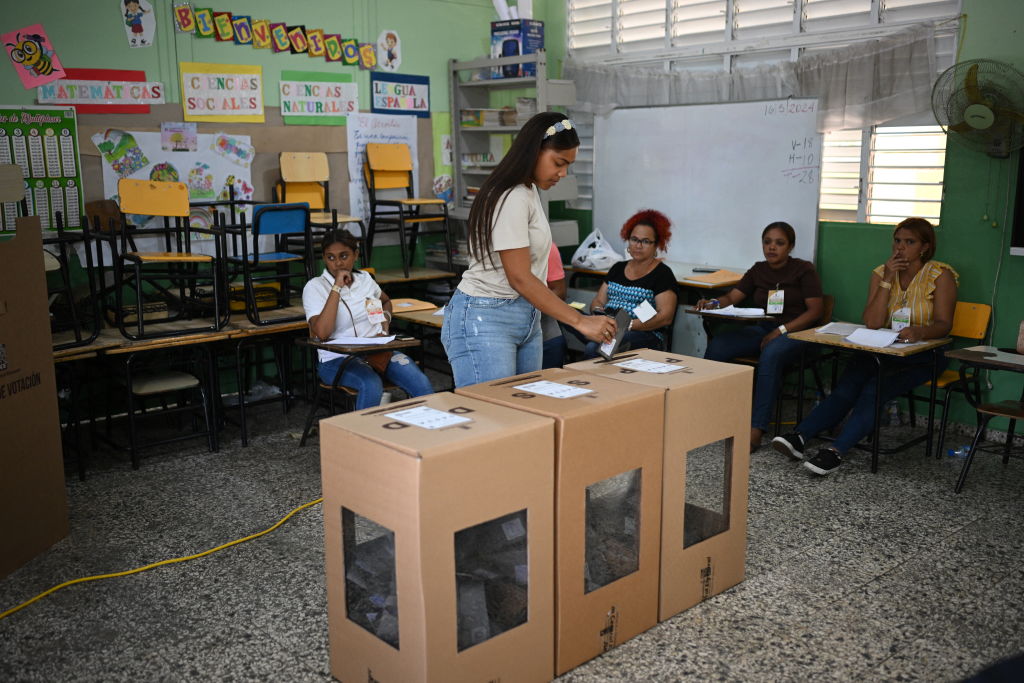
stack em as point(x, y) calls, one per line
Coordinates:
point(515, 169)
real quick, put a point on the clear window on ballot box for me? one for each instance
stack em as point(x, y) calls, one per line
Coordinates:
point(371, 595)
point(708, 477)
point(612, 548)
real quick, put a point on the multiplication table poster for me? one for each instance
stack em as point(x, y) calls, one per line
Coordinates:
point(43, 141)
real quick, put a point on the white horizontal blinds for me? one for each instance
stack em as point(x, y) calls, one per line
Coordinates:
point(840, 176)
point(822, 16)
point(589, 29)
point(910, 11)
point(642, 24)
point(698, 22)
point(583, 169)
point(906, 173)
point(762, 18)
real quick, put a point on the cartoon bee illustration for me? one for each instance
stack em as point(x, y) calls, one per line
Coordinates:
point(30, 53)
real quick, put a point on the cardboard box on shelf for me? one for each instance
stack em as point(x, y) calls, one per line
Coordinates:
point(514, 37)
point(608, 503)
point(33, 502)
point(439, 523)
point(707, 459)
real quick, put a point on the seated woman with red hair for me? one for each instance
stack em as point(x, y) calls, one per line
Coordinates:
point(642, 278)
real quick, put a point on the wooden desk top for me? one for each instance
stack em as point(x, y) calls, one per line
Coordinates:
point(396, 343)
point(130, 346)
point(426, 318)
point(393, 276)
point(241, 326)
point(87, 351)
point(681, 270)
point(901, 350)
point(989, 357)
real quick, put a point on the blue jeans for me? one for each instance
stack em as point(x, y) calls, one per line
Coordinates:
point(854, 393)
point(401, 371)
point(488, 338)
point(779, 352)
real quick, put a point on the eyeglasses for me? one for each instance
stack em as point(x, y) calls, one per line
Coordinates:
point(636, 241)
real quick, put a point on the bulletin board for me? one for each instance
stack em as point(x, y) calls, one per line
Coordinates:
point(44, 142)
point(206, 172)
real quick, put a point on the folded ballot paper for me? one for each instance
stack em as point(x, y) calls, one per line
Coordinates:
point(740, 312)
point(878, 339)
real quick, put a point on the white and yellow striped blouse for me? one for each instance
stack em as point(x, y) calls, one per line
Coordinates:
point(920, 294)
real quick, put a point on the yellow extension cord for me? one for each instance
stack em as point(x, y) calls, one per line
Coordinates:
point(173, 560)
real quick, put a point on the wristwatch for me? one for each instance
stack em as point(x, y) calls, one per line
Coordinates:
point(336, 288)
point(782, 329)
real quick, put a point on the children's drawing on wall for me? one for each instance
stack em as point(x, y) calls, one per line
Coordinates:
point(32, 55)
point(233, 149)
point(178, 136)
point(200, 181)
point(139, 22)
point(164, 172)
point(120, 150)
point(444, 188)
point(389, 51)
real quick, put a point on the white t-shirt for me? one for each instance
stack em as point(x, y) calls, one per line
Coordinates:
point(518, 222)
point(356, 324)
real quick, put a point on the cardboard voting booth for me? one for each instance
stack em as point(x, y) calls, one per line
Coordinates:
point(608, 502)
point(438, 522)
point(706, 465)
point(33, 503)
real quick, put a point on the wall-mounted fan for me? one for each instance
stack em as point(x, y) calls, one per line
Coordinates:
point(980, 102)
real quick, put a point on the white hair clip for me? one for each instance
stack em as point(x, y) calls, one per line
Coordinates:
point(564, 124)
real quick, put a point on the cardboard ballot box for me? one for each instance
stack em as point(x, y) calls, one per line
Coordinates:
point(608, 503)
point(33, 504)
point(438, 528)
point(707, 458)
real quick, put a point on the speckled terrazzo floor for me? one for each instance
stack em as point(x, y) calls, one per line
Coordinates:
point(851, 577)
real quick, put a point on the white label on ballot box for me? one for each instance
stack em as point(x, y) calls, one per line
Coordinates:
point(641, 365)
point(427, 417)
point(553, 389)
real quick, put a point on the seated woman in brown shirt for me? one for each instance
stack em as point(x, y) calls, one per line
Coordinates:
point(779, 275)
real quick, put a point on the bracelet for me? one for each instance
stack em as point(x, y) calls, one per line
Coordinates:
point(885, 285)
point(782, 329)
point(336, 288)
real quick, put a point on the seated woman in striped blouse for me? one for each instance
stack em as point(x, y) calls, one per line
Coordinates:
point(910, 292)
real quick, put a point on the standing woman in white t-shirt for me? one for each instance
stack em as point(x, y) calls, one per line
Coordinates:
point(344, 301)
point(492, 323)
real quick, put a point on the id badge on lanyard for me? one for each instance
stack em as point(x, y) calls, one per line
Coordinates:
point(901, 318)
point(776, 301)
point(374, 310)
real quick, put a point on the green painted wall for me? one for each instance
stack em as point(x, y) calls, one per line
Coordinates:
point(977, 213)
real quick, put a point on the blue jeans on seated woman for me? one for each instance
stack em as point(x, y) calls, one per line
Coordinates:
point(746, 341)
point(488, 338)
point(854, 394)
point(402, 371)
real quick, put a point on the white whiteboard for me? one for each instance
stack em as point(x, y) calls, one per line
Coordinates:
point(720, 172)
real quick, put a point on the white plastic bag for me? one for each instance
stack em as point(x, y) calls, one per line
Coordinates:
point(595, 253)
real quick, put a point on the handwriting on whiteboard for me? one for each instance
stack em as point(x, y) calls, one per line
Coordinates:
point(801, 161)
point(784, 107)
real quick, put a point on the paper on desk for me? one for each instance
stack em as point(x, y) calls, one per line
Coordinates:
point(878, 339)
point(842, 329)
point(739, 312)
point(352, 341)
point(439, 312)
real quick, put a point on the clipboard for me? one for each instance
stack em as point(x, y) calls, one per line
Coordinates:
point(608, 350)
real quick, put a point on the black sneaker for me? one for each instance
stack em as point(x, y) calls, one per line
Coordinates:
point(824, 461)
point(790, 444)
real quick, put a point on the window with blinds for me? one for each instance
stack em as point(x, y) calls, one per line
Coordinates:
point(898, 172)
